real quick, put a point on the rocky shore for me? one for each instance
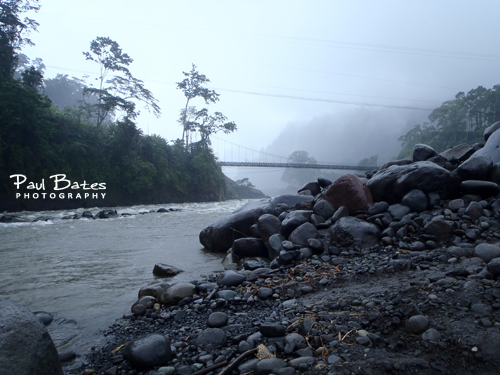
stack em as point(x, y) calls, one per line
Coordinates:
point(393, 273)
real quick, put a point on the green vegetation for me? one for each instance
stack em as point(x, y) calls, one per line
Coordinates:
point(78, 137)
point(461, 120)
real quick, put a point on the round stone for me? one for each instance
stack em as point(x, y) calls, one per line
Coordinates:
point(417, 324)
point(217, 320)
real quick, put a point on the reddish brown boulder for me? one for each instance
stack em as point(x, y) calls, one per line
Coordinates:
point(351, 192)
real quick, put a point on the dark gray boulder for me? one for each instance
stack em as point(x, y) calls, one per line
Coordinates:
point(396, 162)
point(485, 189)
point(215, 337)
point(324, 209)
point(275, 246)
point(25, 345)
point(230, 278)
point(293, 220)
point(148, 352)
point(393, 183)
point(416, 200)
point(475, 168)
point(164, 270)
point(249, 247)
point(176, 292)
point(440, 228)
point(268, 225)
point(219, 237)
point(459, 153)
point(313, 187)
point(423, 152)
point(351, 231)
point(292, 200)
point(490, 130)
point(106, 214)
point(491, 149)
point(303, 233)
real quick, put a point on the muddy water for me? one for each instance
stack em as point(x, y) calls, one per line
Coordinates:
point(87, 272)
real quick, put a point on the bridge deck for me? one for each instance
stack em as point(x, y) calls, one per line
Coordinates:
point(296, 165)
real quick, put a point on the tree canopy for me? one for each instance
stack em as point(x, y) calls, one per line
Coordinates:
point(119, 92)
point(461, 120)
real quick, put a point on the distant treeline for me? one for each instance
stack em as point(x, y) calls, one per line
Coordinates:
point(38, 140)
point(461, 120)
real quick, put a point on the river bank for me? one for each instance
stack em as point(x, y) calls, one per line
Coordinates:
point(83, 271)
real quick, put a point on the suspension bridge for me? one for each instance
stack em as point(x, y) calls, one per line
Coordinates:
point(230, 154)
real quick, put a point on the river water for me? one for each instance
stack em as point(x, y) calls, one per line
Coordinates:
point(87, 273)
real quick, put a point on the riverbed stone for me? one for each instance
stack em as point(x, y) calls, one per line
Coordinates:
point(44, 317)
point(313, 187)
point(268, 225)
point(484, 189)
point(350, 231)
point(148, 352)
point(393, 183)
point(491, 149)
point(324, 209)
point(303, 233)
point(295, 219)
point(220, 236)
point(423, 152)
point(25, 345)
point(275, 245)
point(474, 210)
point(268, 366)
point(349, 191)
point(230, 278)
point(292, 200)
point(416, 200)
point(176, 292)
point(494, 266)
point(215, 337)
point(417, 324)
point(250, 247)
point(431, 335)
point(440, 228)
point(164, 270)
point(475, 168)
point(217, 319)
point(461, 152)
point(272, 330)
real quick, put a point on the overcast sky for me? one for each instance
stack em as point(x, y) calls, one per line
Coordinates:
point(275, 62)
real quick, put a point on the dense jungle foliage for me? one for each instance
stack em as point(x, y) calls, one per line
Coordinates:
point(461, 120)
point(39, 140)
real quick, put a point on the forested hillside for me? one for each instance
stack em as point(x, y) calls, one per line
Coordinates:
point(461, 120)
point(91, 138)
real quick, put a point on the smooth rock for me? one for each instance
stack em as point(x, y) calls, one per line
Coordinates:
point(416, 324)
point(250, 247)
point(176, 292)
point(324, 209)
point(423, 152)
point(217, 319)
point(25, 345)
point(349, 191)
point(164, 270)
point(230, 278)
point(148, 352)
point(303, 233)
point(350, 231)
point(416, 200)
point(213, 336)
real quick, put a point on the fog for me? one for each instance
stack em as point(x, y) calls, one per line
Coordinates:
point(329, 77)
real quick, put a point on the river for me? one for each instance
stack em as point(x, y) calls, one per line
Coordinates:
point(87, 273)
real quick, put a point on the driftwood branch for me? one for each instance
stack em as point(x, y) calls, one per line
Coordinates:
point(212, 292)
point(235, 363)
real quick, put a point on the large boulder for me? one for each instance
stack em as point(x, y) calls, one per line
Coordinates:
point(294, 219)
point(440, 228)
point(249, 247)
point(268, 225)
point(220, 236)
point(490, 130)
point(349, 191)
point(148, 352)
point(423, 152)
point(461, 152)
point(292, 200)
point(491, 149)
point(175, 293)
point(475, 168)
point(301, 234)
point(25, 345)
point(351, 231)
point(393, 183)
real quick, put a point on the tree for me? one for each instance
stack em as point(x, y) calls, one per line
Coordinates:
point(299, 176)
point(120, 91)
point(192, 86)
point(369, 162)
point(207, 124)
point(14, 31)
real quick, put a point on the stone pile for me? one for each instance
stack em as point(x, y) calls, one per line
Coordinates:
point(397, 272)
